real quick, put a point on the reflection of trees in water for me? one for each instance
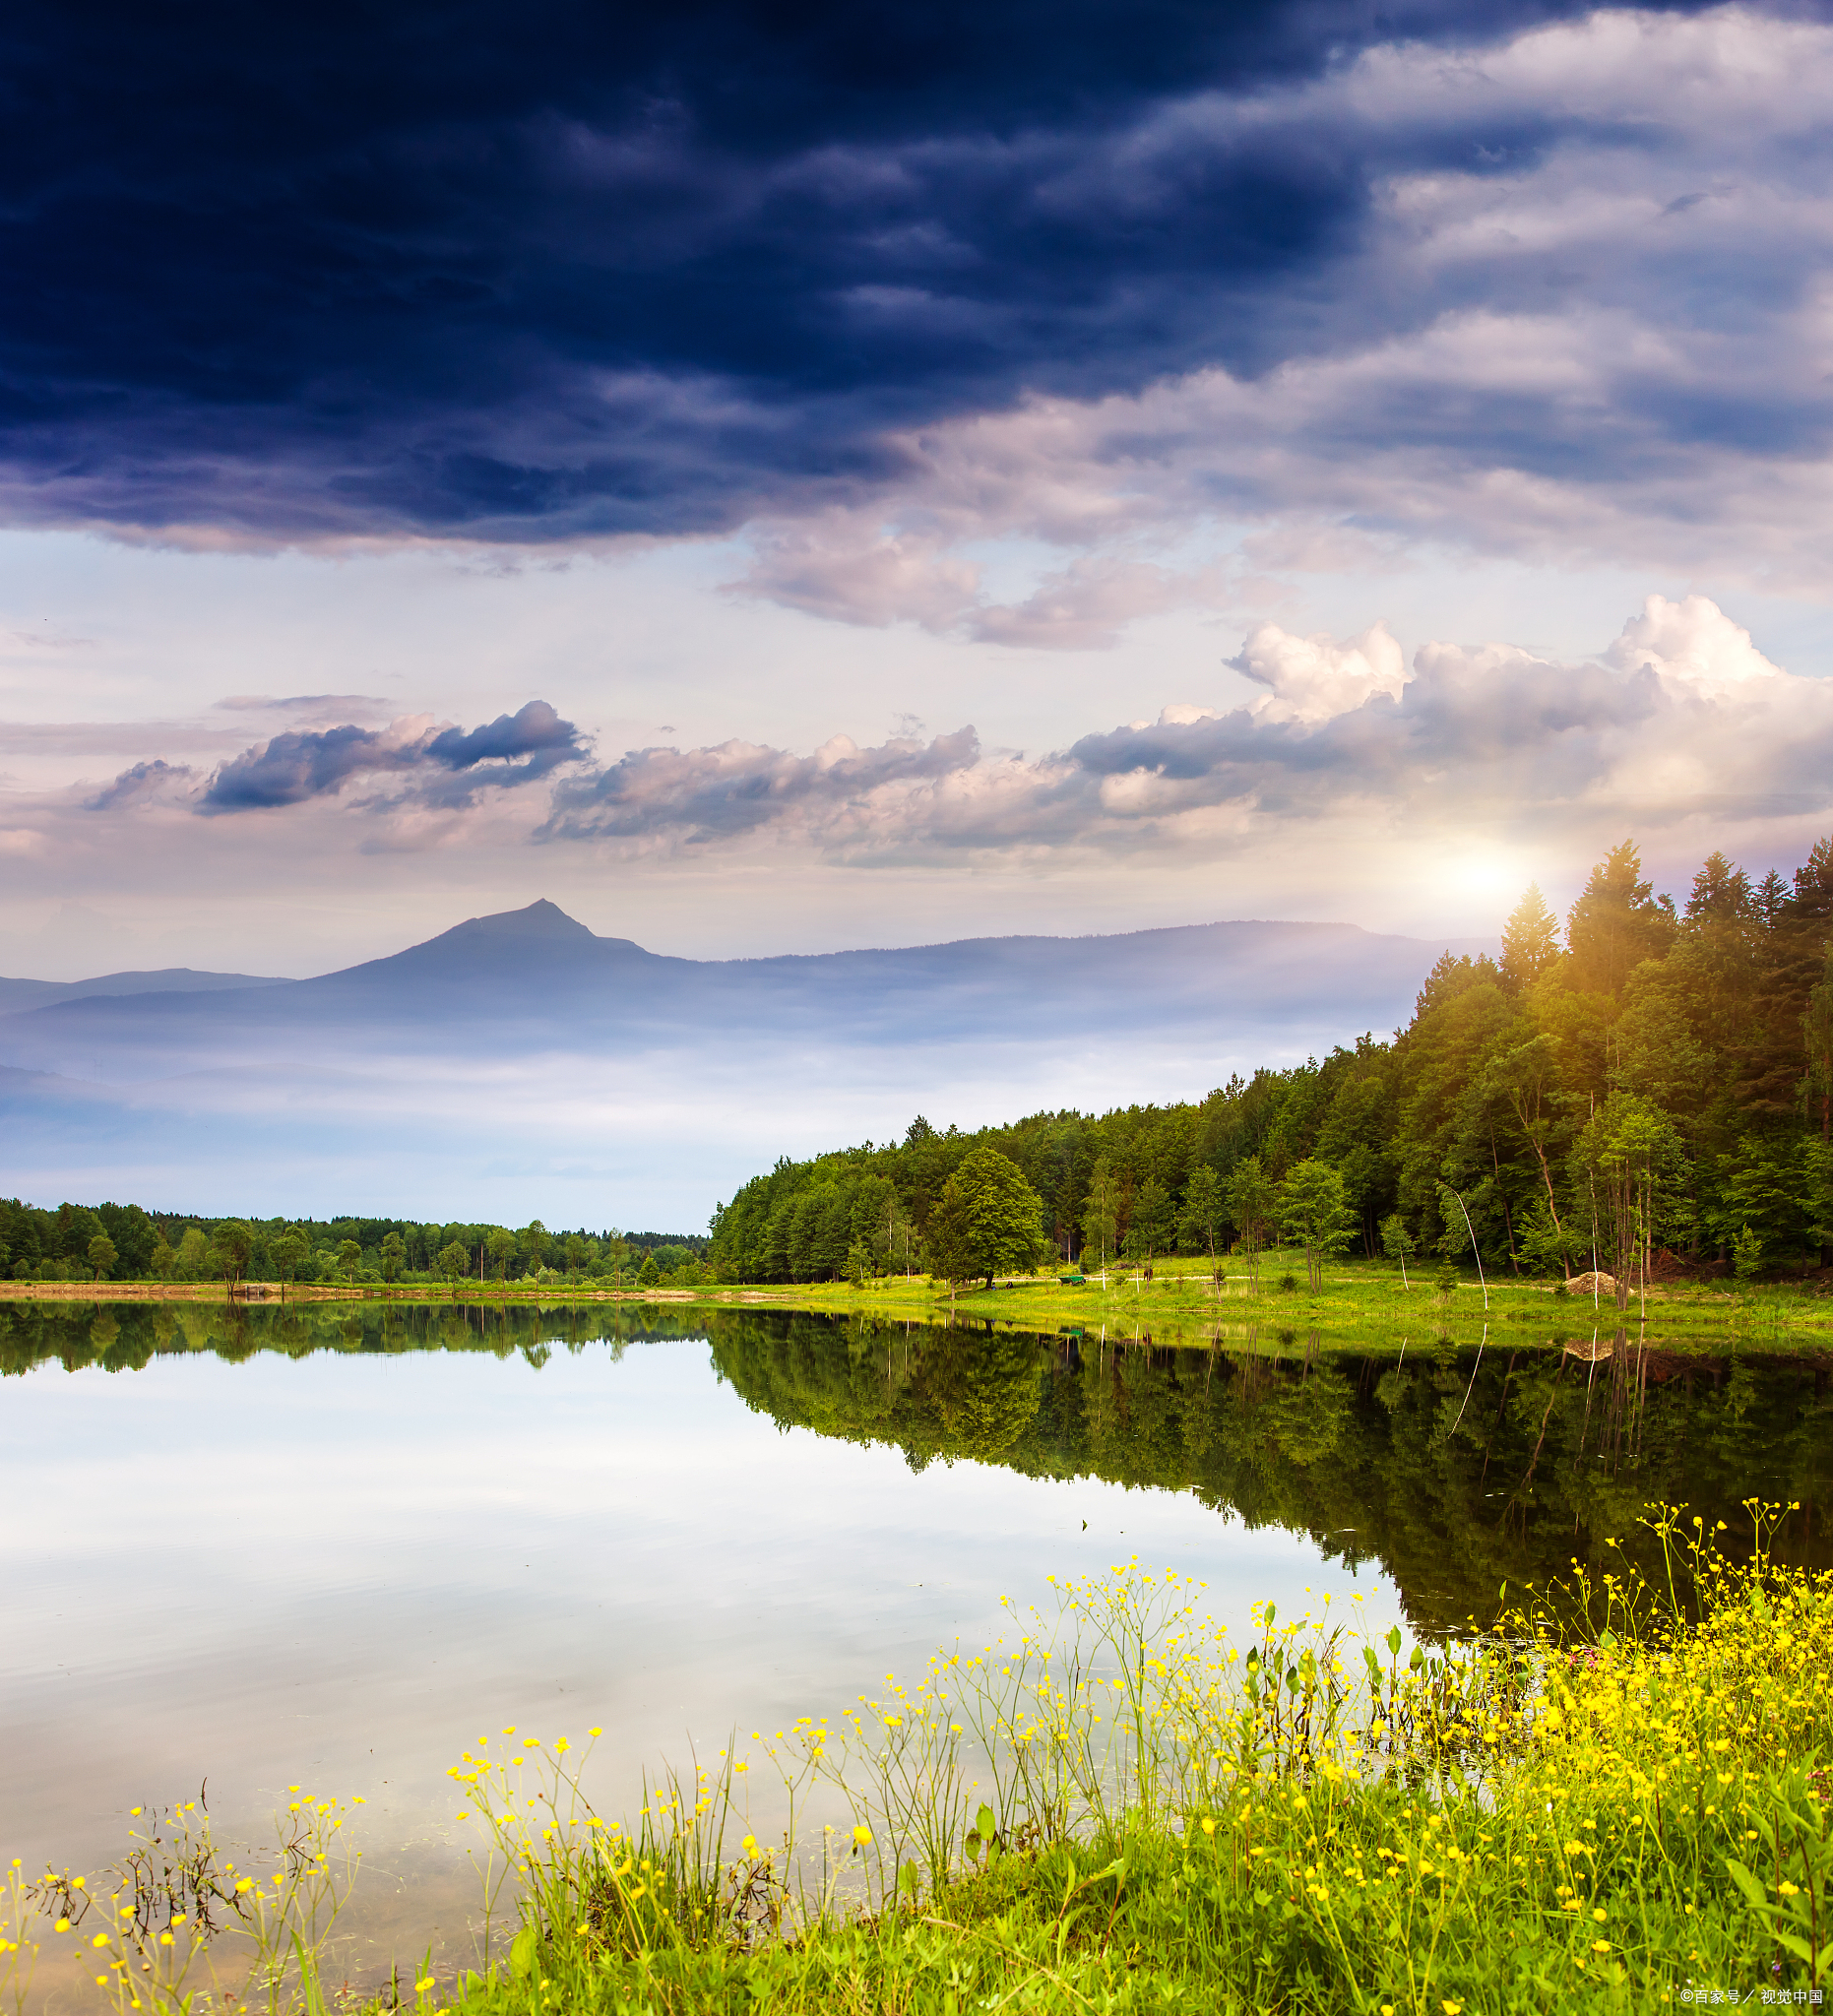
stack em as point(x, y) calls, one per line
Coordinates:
point(985, 1387)
point(123, 1336)
point(1307, 1416)
point(195, 1320)
point(1455, 1473)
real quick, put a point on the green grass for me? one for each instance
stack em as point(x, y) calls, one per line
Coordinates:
point(1358, 1300)
point(1619, 1802)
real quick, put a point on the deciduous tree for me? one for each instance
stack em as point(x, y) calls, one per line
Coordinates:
point(231, 1247)
point(1201, 1224)
point(289, 1253)
point(1006, 1215)
point(500, 1244)
point(1249, 1198)
point(1314, 1213)
point(1631, 1159)
point(1397, 1243)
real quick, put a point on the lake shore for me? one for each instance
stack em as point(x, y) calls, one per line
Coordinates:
point(1615, 1802)
point(1179, 1305)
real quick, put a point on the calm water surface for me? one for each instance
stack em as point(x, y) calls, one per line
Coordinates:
point(259, 1549)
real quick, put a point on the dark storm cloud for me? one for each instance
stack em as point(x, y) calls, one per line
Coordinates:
point(300, 764)
point(554, 270)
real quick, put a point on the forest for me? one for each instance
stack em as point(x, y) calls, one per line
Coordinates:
point(128, 1243)
point(1647, 1085)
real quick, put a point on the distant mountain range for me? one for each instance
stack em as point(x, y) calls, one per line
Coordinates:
point(546, 1059)
point(167, 980)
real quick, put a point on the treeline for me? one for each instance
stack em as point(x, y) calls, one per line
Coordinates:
point(126, 1243)
point(1649, 1078)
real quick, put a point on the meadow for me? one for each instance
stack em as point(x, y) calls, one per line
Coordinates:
point(1616, 1800)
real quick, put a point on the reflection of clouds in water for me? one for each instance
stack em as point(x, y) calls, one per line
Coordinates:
point(387, 1552)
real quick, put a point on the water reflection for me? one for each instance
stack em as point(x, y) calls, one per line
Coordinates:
point(1454, 1471)
point(337, 1538)
point(338, 1543)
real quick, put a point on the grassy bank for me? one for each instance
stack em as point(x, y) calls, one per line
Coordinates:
point(1619, 1803)
point(1368, 1301)
point(1365, 1299)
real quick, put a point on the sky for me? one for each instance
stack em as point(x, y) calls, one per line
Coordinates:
point(779, 478)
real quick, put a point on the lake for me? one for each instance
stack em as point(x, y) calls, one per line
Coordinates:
point(253, 1548)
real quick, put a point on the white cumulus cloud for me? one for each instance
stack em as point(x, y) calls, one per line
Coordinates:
point(1312, 678)
point(1692, 644)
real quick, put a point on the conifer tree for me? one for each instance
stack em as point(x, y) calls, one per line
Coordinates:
point(1100, 1213)
point(1530, 940)
point(1616, 923)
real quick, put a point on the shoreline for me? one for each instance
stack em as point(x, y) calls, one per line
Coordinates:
point(259, 1294)
point(1179, 1310)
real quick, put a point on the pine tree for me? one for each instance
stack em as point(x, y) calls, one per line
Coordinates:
point(948, 1243)
point(1817, 1028)
point(1616, 923)
point(1530, 940)
point(1721, 891)
point(1153, 1224)
point(1771, 899)
point(1100, 1213)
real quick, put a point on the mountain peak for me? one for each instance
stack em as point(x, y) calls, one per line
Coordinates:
point(539, 920)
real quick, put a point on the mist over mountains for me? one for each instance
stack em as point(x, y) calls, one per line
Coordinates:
point(520, 1065)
